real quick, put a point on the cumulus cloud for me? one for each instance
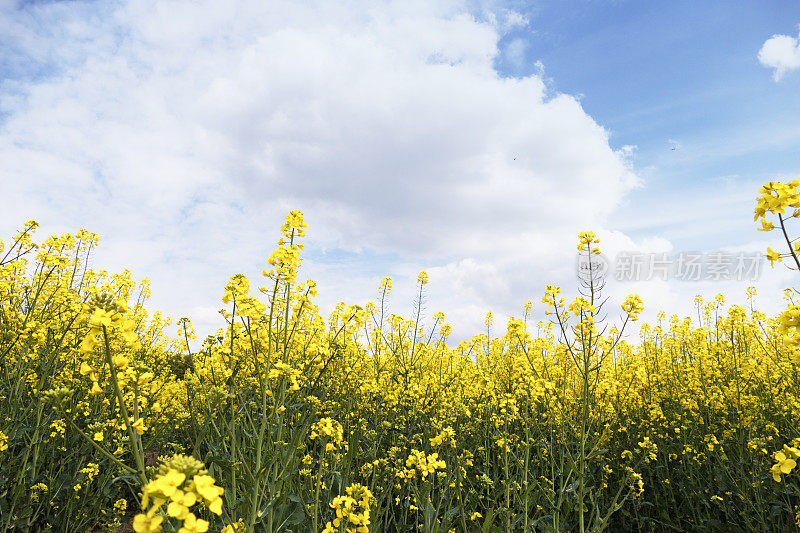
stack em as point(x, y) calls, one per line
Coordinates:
point(183, 131)
point(780, 53)
point(515, 52)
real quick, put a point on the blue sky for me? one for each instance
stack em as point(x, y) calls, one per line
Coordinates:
point(681, 74)
point(652, 71)
point(472, 140)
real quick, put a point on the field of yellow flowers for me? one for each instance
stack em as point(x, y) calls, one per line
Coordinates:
point(371, 422)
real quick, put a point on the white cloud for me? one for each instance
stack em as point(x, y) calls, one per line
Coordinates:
point(515, 52)
point(781, 53)
point(514, 18)
point(183, 132)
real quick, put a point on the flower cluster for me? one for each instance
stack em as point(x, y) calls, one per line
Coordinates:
point(107, 313)
point(285, 259)
point(285, 371)
point(785, 460)
point(776, 198)
point(633, 306)
point(586, 242)
point(446, 435)
point(419, 462)
point(352, 510)
point(330, 430)
point(182, 482)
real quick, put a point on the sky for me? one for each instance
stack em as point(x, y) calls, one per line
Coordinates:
point(469, 139)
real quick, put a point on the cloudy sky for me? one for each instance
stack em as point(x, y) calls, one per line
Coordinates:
point(469, 139)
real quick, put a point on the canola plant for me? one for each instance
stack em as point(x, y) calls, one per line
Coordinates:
point(371, 422)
